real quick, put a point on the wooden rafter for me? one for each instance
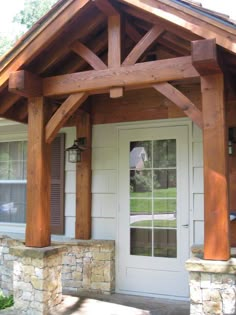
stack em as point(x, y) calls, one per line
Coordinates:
point(58, 50)
point(132, 32)
point(97, 45)
point(200, 29)
point(57, 121)
point(7, 101)
point(179, 99)
point(36, 46)
point(141, 74)
point(87, 54)
point(143, 45)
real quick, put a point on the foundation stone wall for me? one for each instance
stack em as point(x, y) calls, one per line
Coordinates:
point(212, 286)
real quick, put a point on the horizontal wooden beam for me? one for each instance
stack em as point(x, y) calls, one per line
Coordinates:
point(204, 56)
point(138, 75)
point(57, 121)
point(88, 55)
point(143, 45)
point(25, 83)
point(181, 101)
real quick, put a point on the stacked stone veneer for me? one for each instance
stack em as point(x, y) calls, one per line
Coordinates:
point(6, 264)
point(37, 277)
point(212, 286)
point(37, 285)
point(89, 266)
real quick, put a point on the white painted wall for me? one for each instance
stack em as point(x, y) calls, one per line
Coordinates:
point(104, 180)
point(11, 131)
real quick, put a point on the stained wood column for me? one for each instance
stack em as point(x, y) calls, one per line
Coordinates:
point(216, 202)
point(38, 176)
point(83, 181)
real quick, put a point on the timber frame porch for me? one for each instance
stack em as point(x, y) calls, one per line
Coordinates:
point(136, 46)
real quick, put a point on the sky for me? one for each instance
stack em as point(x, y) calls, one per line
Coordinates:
point(10, 7)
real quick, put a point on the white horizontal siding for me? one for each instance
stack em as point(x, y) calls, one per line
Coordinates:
point(104, 182)
point(198, 187)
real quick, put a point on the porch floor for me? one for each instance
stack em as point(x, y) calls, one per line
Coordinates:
point(117, 304)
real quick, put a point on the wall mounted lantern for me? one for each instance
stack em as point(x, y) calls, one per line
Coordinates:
point(231, 140)
point(74, 152)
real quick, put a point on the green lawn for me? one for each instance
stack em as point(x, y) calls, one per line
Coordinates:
point(144, 206)
point(157, 223)
point(163, 193)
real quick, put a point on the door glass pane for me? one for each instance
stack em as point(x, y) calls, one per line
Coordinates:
point(153, 198)
point(141, 242)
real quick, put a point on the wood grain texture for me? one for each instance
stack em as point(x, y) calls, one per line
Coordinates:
point(193, 25)
point(64, 112)
point(114, 49)
point(38, 176)
point(88, 55)
point(141, 74)
point(7, 101)
point(43, 39)
point(25, 83)
point(181, 101)
point(204, 56)
point(143, 45)
point(216, 190)
point(106, 7)
point(138, 105)
point(83, 181)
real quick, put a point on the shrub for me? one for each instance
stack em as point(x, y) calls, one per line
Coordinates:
point(5, 301)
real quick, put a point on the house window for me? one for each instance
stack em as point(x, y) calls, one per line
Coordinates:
point(13, 181)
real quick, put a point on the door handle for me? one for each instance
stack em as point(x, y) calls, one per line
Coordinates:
point(185, 225)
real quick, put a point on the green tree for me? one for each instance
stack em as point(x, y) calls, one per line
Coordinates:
point(5, 44)
point(33, 10)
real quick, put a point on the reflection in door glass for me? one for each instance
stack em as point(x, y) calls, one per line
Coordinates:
point(153, 198)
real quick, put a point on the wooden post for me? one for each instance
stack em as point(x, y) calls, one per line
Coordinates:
point(38, 176)
point(216, 203)
point(83, 181)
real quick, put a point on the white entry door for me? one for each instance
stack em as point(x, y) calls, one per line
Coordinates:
point(153, 218)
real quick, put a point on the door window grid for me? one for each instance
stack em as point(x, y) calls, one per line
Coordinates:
point(152, 227)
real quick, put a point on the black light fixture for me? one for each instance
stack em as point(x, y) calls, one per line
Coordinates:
point(74, 152)
point(231, 140)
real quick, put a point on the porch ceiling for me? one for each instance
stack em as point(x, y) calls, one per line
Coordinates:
point(59, 43)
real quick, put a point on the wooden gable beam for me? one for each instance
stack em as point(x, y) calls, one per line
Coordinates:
point(98, 45)
point(114, 49)
point(143, 44)
point(201, 29)
point(132, 32)
point(141, 74)
point(216, 201)
point(34, 47)
point(181, 101)
point(63, 113)
point(114, 39)
point(25, 83)
point(87, 54)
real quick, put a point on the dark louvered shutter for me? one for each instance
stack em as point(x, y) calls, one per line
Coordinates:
point(57, 184)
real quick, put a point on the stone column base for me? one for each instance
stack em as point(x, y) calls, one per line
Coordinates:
point(212, 286)
point(37, 279)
